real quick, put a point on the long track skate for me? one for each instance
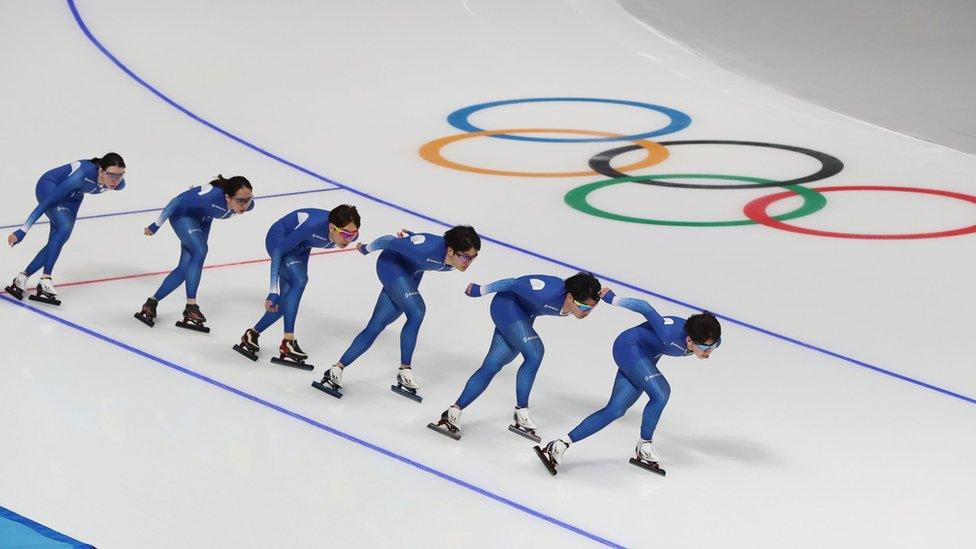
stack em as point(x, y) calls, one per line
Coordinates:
point(651, 466)
point(15, 292)
point(147, 315)
point(44, 297)
point(544, 458)
point(446, 427)
point(291, 355)
point(248, 345)
point(193, 319)
point(527, 433)
point(403, 383)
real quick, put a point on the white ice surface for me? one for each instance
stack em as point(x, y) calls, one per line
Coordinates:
point(767, 444)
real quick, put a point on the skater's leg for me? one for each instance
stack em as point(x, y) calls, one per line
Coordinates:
point(41, 258)
point(622, 397)
point(525, 339)
point(407, 298)
point(175, 277)
point(645, 375)
point(384, 313)
point(500, 353)
point(43, 189)
point(62, 219)
point(296, 272)
point(294, 276)
point(195, 239)
point(63, 222)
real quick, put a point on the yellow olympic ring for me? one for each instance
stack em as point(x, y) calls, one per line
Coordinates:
point(431, 152)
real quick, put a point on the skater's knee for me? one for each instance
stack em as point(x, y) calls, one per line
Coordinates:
point(489, 369)
point(60, 236)
point(659, 390)
point(379, 323)
point(615, 412)
point(533, 354)
point(198, 257)
point(416, 312)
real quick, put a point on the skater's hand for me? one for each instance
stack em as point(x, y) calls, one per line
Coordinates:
point(151, 229)
point(473, 290)
point(16, 236)
point(271, 304)
point(403, 233)
point(362, 248)
point(606, 294)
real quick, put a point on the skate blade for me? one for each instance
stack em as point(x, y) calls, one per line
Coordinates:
point(531, 436)
point(649, 465)
point(326, 388)
point(246, 353)
point(193, 327)
point(293, 364)
point(412, 395)
point(444, 431)
point(147, 321)
point(48, 300)
point(545, 460)
point(15, 291)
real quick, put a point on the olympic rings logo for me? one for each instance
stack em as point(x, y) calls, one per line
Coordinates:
point(655, 152)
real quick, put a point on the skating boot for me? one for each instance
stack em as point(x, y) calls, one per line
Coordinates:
point(292, 355)
point(148, 313)
point(406, 385)
point(18, 287)
point(46, 292)
point(524, 425)
point(249, 344)
point(647, 458)
point(552, 454)
point(193, 319)
point(331, 382)
point(450, 423)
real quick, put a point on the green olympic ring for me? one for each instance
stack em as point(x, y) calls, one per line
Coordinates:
point(576, 198)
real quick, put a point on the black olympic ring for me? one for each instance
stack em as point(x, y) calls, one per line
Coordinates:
point(829, 165)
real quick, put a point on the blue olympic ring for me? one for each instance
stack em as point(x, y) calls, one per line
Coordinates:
point(678, 120)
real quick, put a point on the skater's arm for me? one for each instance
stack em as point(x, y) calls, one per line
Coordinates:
point(503, 285)
point(164, 215)
point(638, 306)
point(177, 201)
point(274, 291)
point(382, 243)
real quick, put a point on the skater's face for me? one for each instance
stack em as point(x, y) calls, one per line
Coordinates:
point(579, 309)
point(343, 236)
point(110, 177)
point(701, 350)
point(240, 201)
point(461, 260)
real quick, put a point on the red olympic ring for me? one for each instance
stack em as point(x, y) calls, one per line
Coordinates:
point(756, 211)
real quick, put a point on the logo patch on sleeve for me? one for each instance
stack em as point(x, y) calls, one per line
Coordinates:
point(418, 239)
point(537, 284)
